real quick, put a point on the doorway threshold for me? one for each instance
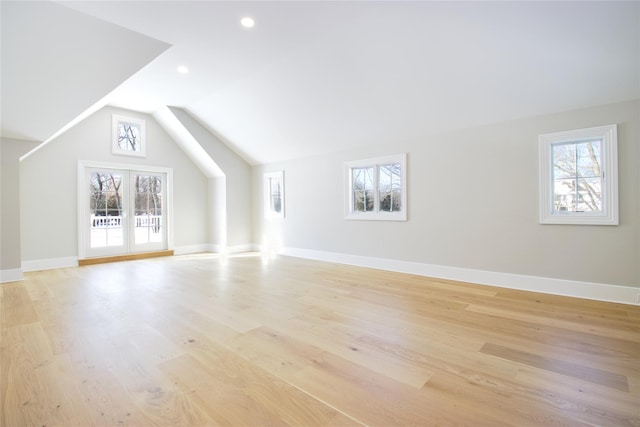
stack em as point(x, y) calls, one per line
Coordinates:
point(127, 257)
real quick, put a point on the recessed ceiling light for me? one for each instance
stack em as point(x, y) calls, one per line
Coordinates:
point(247, 22)
point(182, 69)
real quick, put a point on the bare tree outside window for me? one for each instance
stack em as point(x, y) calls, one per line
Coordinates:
point(128, 136)
point(148, 208)
point(106, 195)
point(105, 204)
point(577, 176)
point(376, 188)
point(390, 187)
point(362, 189)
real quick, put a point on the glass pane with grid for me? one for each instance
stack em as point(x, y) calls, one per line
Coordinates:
point(148, 209)
point(129, 136)
point(390, 187)
point(105, 204)
point(362, 185)
point(577, 176)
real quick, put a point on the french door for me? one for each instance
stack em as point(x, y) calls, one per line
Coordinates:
point(122, 211)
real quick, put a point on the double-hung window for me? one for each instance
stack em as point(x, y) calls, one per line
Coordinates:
point(579, 177)
point(376, 189)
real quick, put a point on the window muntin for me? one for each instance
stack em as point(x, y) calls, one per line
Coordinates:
point(376, 188)
point(578, 177)
point(149, 211)
point(105, 208)
point(362, 184)
point(117, 208)
point(390, 187)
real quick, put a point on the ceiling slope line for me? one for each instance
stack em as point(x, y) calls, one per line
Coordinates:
point(168, 120)
point(229, 161)
point(57, 62)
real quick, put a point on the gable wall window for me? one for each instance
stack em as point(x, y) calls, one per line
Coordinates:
point(128, 136)
point(375, 189)
point(579, 177)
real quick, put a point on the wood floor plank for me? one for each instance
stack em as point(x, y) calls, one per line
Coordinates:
point(588, 400)
point(274, 351)
point(11, 413)
point(375, 400)
point(597, 376)
point(578, 324)
point(206, 340)
point(529, 406)
point(152, 393)
point(16, 306)
point(57, 378)
point(222, 395)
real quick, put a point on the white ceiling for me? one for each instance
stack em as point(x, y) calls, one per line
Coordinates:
point(56, 63)
point(314, 77)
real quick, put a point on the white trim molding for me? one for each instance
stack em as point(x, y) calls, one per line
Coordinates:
point(193, 249)
point(134, 133)
point(13, 275)
point(547, 285)
point(375, 165)
point(607, 170)
point(49, 264)
point(247, 247)
point(82, 200)
point(214, 248)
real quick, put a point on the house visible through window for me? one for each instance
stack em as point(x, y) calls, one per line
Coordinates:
point(376, 188)
point(578, 177)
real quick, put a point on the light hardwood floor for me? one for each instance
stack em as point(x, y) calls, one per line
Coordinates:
point(244, 341)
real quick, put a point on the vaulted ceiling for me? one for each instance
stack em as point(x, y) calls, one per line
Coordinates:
point(314, 76)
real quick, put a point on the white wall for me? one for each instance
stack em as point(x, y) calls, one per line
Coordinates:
point(48, 186)
point(10, 152)
point(236, 185)
point(473, 204)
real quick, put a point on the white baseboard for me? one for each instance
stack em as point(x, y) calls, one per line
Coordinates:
point(13, 275)
point(215, 248)
point(48, 264)
point(587, 290)
point(247, 247)
point(193, 249)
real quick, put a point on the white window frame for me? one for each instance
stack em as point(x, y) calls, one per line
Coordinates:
point(609, 175)
point(376, 215)
point(269, 211)
point(115, 146)
point(83, 199)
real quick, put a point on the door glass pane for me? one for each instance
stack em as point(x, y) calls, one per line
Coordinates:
point(105, 206)
point(149, 224)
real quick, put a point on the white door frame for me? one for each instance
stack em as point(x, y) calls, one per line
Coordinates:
point(83, 200)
